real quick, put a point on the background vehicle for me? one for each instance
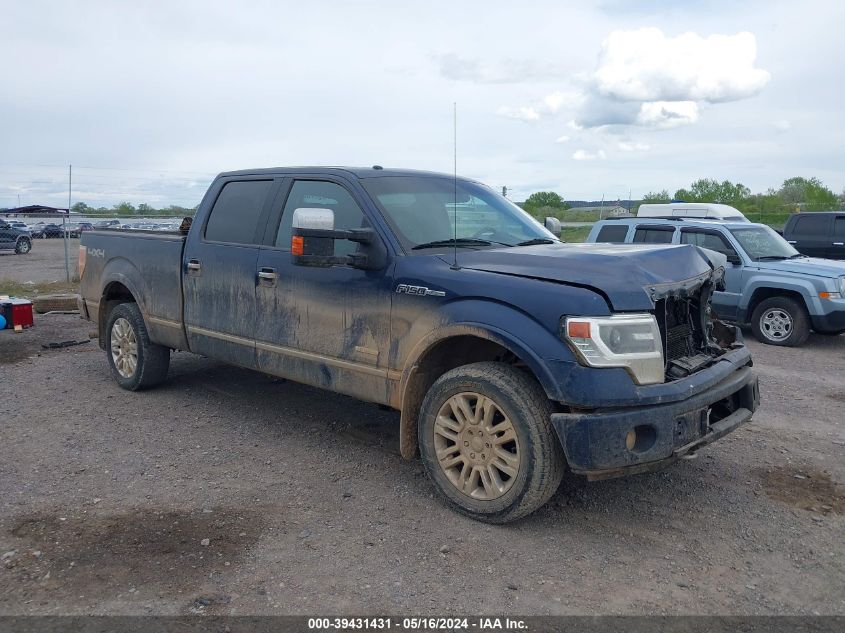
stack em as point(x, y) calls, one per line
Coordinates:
point(818, 234)
point(14, 238)
point(509, 354)
point(20, 225)
point(107, 224)
point(691, 210)
point(781, 293)
point(52, 230)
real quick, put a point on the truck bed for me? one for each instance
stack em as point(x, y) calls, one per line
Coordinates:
point(131, 257)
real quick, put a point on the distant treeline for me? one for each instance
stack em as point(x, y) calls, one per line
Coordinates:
point(128, 209)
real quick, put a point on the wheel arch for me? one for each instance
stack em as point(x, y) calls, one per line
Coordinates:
point(762, 293)
point(116, 290)
point(458, 345)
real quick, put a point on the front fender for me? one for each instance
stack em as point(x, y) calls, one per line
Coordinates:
point(768, 281)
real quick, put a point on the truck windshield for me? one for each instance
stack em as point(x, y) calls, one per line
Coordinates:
point(423, 213)
point(761, 243)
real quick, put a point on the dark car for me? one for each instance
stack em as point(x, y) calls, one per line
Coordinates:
point(14, 238)
point(52, 230)
point(817, 234)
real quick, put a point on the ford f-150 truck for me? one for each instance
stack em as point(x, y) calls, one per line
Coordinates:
point(509, 355)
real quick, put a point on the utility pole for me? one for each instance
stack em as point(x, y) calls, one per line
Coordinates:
point(64, 221)
point(601, 207)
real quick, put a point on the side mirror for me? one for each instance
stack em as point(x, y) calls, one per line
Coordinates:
point(553, 225)
point(313, 236)
point(733, 258)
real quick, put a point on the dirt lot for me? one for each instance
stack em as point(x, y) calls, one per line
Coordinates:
point(107, 499)
point(44, 263)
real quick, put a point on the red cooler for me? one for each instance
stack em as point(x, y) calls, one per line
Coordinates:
point(17, 312)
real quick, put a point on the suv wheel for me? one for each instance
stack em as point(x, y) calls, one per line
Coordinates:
point(781, 321)
point(23, 246)
point(487, 442)
point(136, 363)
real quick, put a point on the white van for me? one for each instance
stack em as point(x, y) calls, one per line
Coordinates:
point(707, 210)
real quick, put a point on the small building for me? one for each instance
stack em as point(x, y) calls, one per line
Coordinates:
point(34, 209)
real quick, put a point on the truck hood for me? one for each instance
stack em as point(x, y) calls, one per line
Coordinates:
point(629, 276)
point(815, 266)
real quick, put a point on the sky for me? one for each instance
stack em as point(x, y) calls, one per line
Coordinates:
point(149, 100)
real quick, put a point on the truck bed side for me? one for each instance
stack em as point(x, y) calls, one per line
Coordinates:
point(143, 266)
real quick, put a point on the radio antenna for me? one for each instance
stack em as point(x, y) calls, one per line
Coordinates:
point(455, 182)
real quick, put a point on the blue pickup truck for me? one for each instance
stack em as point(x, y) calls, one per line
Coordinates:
point(509, 355)
point(780, 292)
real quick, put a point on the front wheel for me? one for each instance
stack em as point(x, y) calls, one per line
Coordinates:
point(136, 363)
point(781, 321)
point(23, 246)
point(487, 442)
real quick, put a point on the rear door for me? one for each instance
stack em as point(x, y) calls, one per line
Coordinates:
point(726, 303)
point(836, 250)
point(812, 234)
point(654, 234)
point(328, 327)
point(220, 264)
point(7, 235)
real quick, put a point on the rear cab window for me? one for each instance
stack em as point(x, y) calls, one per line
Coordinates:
point(613, 233)
point(812, 225)
point(236, 215)
point(654, 235)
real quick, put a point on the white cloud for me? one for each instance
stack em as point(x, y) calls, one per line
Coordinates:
point(626, 146)
point(522, 113)
point(782, 125)
point(562, 139)
point(646, 65)
point(667, 114)
point(458, 68)
point(583, 154)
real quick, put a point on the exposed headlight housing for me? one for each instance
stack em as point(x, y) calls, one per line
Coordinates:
point(631, 341)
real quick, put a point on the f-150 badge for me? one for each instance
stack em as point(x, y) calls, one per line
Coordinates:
point(420, 291)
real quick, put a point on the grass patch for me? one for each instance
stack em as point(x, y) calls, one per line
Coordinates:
point(575, 233)
point(29, 290)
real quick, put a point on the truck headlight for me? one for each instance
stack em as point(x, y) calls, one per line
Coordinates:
point(631, 341)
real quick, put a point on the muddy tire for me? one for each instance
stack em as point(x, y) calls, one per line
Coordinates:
point(781, 321)
point(23, 246)
point(135, 362)
point(487, 442)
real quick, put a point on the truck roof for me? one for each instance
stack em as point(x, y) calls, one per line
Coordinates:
point(731, 224)
point(375, 171)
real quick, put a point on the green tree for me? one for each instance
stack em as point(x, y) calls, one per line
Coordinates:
point(124, 208)
point(709, 190)
point(657, 197)
point(81, 207)
point(809, 193)
point(544, 199)
point(145, 209)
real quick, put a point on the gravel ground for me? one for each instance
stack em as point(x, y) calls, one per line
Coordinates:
point(227, 492)
point(44, 263)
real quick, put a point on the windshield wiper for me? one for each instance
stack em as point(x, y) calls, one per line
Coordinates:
point(797, 255)
point(460, 242)
point(535, 241)
point(768, 258)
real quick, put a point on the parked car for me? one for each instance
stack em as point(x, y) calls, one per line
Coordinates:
point(818, 234)
point(510, 355)
point(780, 292)
point(19, 225)
point(14, 238)
point(107, 224)
point(53, 230)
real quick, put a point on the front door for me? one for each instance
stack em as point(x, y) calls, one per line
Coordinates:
point(220, 272)
point(725, 302)
point(327, 327)
point(812, 235)
point(7, 235)
point(836, 250)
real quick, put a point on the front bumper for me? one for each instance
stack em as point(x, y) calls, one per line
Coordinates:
point(598, 445)
point(830, 322)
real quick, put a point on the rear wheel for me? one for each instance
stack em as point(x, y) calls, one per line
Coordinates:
point(136, 363)
point(487, 442)
point(781, 321)
point(23, 246)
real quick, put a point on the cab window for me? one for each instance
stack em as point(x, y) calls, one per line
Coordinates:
point(708, 240)
point(322, 194)
point(237, 211)
point(613, 233)
point(654, 235)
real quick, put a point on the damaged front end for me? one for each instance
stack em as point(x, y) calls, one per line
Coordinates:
point(693, 337)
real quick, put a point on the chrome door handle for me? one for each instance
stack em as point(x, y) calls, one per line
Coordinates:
point(792, 241)
point(267, 273)
point(194, 265)
point(839, 243)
